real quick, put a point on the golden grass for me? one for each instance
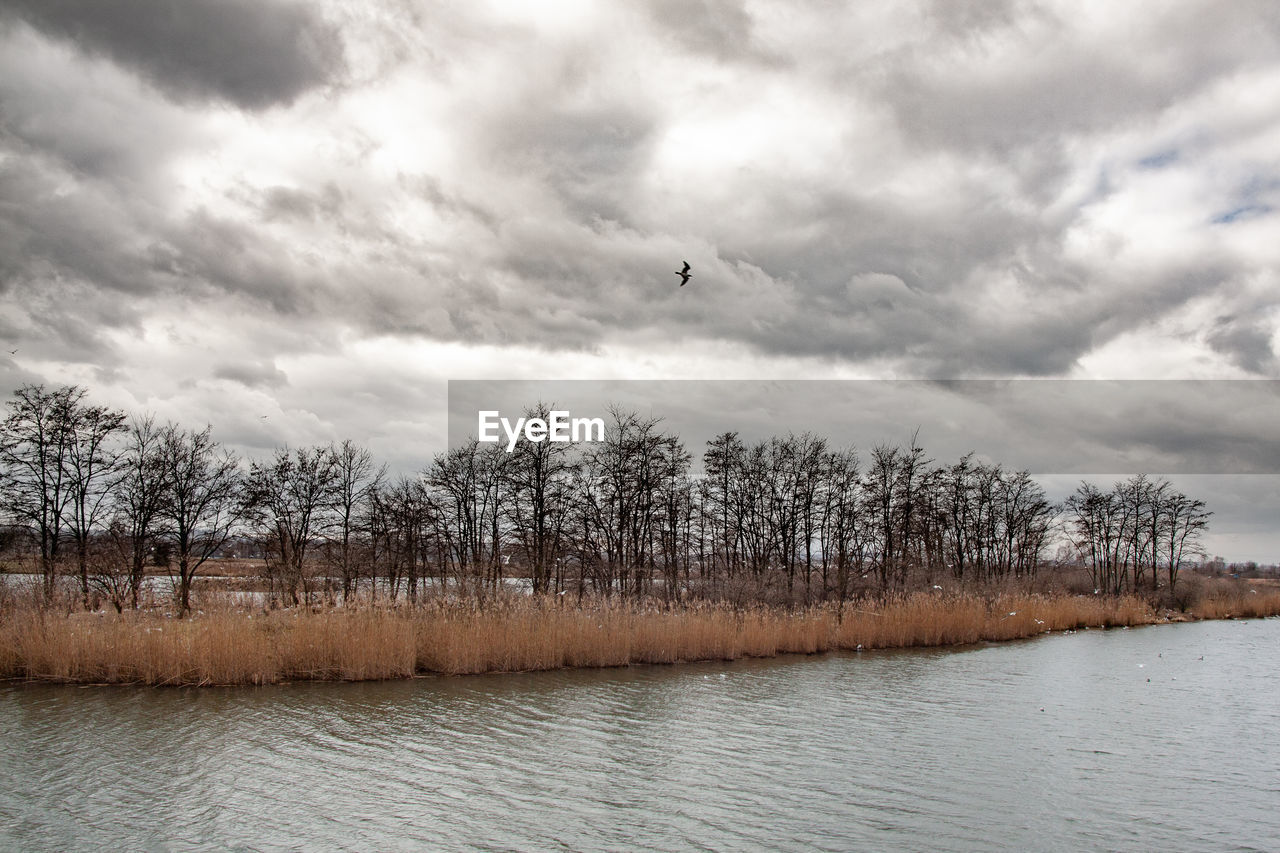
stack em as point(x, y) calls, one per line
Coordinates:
point(921, 620)
point(217, 648)
point(533, 636)
point(228, 645)
point(1238, 603)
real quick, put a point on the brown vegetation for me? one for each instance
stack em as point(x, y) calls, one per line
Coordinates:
point(1226, 599)
point(224, 644)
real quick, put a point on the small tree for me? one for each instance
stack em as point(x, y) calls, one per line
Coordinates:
point(109, 569)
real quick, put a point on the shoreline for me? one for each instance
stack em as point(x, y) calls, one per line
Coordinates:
point(234, 647)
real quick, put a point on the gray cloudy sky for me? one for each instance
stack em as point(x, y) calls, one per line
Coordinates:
point(221, 209)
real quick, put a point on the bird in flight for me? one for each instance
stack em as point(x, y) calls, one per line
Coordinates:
point(684, 274)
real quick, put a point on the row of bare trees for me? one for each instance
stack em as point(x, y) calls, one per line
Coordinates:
point(81, 475)
point(791, 518)
point(1130, 535)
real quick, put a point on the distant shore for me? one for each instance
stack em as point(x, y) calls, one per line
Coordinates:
point(224, 645)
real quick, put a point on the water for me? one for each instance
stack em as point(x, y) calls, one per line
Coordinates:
point(1157, 738)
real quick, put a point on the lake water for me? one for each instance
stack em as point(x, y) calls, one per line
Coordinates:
point(1165, 737)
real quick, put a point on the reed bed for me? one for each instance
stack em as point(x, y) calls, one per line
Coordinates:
point(921, 620)
point(216, 648)
point(228, 645)
point(1238, 603)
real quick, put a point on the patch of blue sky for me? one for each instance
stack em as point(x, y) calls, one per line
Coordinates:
point(1253, 201)
point(1245, 212)
point(1159, 161)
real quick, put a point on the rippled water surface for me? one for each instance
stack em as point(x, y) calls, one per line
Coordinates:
point(1159, 738)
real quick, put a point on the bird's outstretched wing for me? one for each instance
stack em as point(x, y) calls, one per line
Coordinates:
point(684, 274)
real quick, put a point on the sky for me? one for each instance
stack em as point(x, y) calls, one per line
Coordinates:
point(322, 212)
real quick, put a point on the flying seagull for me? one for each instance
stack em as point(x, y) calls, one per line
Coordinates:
point(684, 274)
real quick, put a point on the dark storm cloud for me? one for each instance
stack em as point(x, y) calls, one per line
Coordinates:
point(970, 18)
point(453, 204)
point(81, 265)
point(67, 283)
point(1005, 81)
point(589, 156)
point(881, 278)
point(89, 238)
point(1246, 341)
point(292, 203)
point(67, 121)
point(61, 237)
point(721, 29)
point(252, 374)
point(208, 255)
point(252, 53)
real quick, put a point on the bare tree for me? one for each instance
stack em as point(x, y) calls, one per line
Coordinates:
point(290, 501)
point(1186, 521)
point(140, 494)
point(1028, 523)
point(109, 568)
point(36, 441)
point(356, 478)
point(91, 466)
point(844, 535)
point(1092, 515)
point(412, 515)
point(1138, 524)
point(891, 483)
point(201, 500)
point(619, 495)
point(469, 492)
point(539, 479)
point(811, 485)
point(722, 462)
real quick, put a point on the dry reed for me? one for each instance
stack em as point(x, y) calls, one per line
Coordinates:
point(1238, 603)
point(226, 644)
point(921, 620)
